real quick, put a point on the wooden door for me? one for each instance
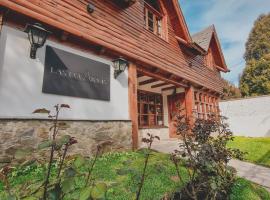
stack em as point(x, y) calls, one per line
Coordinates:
point(174, 101)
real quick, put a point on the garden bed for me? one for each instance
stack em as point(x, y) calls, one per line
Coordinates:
point(121, 171)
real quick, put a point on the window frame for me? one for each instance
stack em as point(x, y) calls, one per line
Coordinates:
point(205, 105)
point(154, 115)
point(158, 21)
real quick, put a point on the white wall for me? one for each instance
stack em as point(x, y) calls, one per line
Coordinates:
point(21, 84)
point(248, 117)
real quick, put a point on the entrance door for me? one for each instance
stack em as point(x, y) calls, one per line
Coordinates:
point(174, 101)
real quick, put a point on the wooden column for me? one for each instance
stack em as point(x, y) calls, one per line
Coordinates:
point(190, 102)
point(133, 110)
point(1, 19)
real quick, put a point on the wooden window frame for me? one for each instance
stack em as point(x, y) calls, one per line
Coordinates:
point(148, 103)
point(158, 21)
point(205, 105)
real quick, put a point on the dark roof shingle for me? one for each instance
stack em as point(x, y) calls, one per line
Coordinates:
point(203, 38)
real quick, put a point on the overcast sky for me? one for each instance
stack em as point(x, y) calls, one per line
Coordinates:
point(233, 20)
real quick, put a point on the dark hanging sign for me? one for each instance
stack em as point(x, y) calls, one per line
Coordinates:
point(73, 75)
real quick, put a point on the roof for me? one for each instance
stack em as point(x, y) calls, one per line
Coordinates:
point(203, 38)
point(182, 21)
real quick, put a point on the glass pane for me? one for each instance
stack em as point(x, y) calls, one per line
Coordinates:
point(143, 97)
point(159, 27)
point(152, 120)
point(158, 110)
point(150, 21)
point(151, 109)
point(144, 17)
point(144, 120)
point(158, 100)
point(145, 109)
point(195, 96)
point(159, 120)
point(152, 99)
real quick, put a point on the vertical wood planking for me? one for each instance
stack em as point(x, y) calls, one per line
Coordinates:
point(133, 110)
point(189, 99)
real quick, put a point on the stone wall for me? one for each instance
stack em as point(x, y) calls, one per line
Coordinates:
point(27, 134)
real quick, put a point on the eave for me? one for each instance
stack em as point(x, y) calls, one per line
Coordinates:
point(191, 45)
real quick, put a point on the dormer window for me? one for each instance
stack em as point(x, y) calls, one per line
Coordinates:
point(153, 17)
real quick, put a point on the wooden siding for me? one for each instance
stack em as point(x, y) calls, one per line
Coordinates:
point(122, 31)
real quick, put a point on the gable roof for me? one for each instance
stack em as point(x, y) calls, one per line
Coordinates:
point(182, 21)
point(204, 38)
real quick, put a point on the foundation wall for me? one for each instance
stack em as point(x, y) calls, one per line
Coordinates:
point(27, 134)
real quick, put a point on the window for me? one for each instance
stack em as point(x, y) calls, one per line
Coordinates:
point(153, 17)
point(205, 105)
point(150, 109)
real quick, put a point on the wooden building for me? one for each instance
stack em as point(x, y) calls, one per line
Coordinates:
point(166, 65)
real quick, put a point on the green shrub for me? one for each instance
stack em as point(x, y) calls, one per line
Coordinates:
point(207, 157)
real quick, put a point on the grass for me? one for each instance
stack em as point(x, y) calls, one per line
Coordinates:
point(258, 149)
point(245, 190)
point(121, 172)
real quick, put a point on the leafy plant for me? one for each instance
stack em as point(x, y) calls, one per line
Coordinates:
point(99, 149)
point(206, 157)
point(55, 145)
point(148, 141)
point(4, 178)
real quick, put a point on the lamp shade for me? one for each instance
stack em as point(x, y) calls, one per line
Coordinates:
point(37, 36)
point(120, 65)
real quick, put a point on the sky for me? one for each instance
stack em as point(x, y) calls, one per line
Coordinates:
point(233, 20)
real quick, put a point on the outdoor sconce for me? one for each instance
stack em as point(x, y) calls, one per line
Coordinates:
point(119, 66)
point(37, 36)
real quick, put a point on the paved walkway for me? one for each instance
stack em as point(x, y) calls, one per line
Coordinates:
point(252, 172)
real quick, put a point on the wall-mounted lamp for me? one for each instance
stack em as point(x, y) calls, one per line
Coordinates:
point(37, 36)
point(119, 66)
point(90, 8)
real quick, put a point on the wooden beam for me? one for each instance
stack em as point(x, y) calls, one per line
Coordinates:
point(133, 105)
point(170, 76)
point(1, 19)
point(156, 70)
point(159, 85)
point(64, 36)
point(161, 78)
point(222, 69)
point(101, 50)
point(168, 88)
point(152, 80)
point(140, 75)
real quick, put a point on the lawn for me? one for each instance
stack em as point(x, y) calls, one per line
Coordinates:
point(121, 171)
point(257, 149)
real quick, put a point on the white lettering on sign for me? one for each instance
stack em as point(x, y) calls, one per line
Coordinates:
point(79, 76)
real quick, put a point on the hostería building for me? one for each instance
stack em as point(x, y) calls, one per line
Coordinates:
point(123, 66)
